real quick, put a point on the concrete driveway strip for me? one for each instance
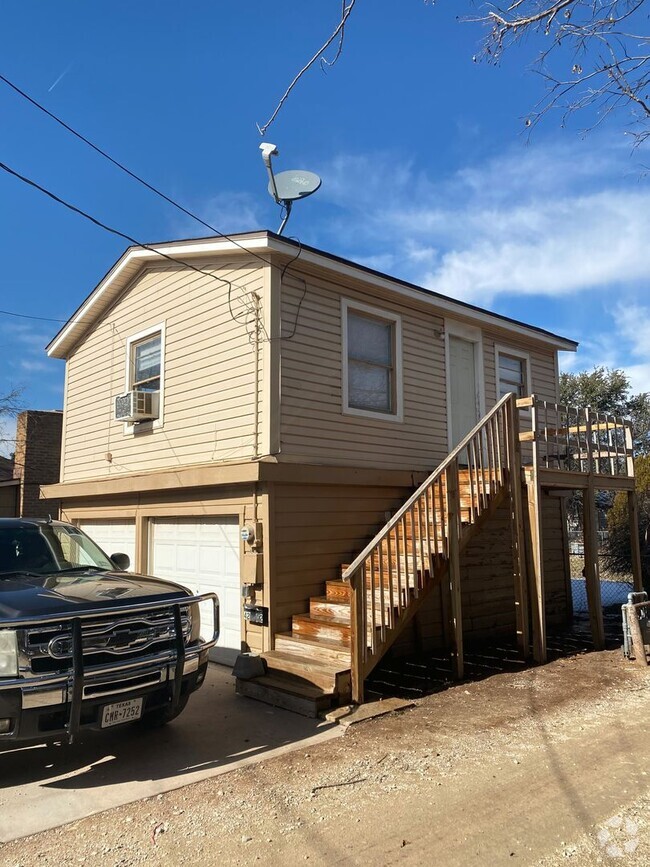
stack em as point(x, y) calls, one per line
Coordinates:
point(43, 786)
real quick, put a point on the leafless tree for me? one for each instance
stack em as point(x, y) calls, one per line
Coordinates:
point(10, 405)
point(338, 33)
point(594, 57)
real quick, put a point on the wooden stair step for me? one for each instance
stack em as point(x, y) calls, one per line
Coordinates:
point(322, 608)
point(304, 645)
point(323, 673)
point(321, 629)
point(279, 691)
point(337, 591)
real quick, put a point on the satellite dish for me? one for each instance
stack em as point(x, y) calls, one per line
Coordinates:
point(287, 187)
point(294, 184)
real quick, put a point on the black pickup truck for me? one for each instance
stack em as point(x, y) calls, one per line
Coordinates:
point(86, 644)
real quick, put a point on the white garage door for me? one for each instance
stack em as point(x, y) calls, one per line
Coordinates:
point(113, 537)
point(202, 554)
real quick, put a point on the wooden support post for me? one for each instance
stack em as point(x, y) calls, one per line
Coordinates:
point(637, 638)
point(592, 571)
point(453, 513)
point(357, 604)
point(538, 600)
point(517, 525)
point(633, 518)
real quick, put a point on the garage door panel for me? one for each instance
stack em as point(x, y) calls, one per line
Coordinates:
point(202, 554)
point(113, 537)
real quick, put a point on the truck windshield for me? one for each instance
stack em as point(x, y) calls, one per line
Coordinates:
point(48, 548)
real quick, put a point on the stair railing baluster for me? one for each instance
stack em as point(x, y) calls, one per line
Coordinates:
point(398, 561)
point(391, 600)
point(422, 543)
point(494, 479)
point(427, 518)
point(436, 523)
point(479, 451)
point(382, 608)
point(414, 552)
point(373, 613)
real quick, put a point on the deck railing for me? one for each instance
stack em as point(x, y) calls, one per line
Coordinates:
point(422, 539)
point(577, 440)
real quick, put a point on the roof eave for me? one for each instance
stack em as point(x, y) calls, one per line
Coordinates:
point(134, 258)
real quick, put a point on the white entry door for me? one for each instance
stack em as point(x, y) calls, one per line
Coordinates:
point(463, 401)
point(113, 537)
point(202, 554)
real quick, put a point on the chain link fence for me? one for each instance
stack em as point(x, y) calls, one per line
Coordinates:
point(614, 587)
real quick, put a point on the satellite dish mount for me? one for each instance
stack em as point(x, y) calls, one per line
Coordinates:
point(289, 186)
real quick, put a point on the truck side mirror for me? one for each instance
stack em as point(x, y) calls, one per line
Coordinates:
point(121, 561)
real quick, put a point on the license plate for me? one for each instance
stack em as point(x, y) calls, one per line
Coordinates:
point(121, 712)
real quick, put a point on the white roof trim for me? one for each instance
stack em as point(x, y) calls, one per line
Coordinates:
point(133, 259)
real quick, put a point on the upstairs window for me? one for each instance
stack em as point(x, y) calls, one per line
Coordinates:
point(371, 362)
point(144, 372)
point(513, 371)
point(145, 363)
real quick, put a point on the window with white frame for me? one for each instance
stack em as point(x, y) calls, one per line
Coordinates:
point(371, 362)
point(145, 363)
point(513, 372)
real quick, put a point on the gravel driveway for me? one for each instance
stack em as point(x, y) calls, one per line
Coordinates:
point(544, 766)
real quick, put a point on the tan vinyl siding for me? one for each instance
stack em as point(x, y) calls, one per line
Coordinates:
point(211, 370)
point(317, 528)
point(314, 427)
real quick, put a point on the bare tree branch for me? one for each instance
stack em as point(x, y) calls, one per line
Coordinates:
point(338, 31)
point(597, 43)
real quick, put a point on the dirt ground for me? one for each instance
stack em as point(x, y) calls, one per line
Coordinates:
point(545, 766)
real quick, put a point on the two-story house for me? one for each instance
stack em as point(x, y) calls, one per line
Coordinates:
point(283, 404)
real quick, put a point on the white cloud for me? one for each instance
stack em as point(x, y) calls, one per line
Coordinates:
point(229, 212)
point(547, 221)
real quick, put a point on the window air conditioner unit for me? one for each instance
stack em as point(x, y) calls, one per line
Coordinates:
point(135, 406)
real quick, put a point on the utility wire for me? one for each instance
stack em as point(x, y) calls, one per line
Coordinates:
point(27, 316)
point(133, 241)
point(106, 228)
point(128, 171)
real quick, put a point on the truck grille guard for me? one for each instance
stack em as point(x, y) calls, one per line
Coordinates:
point(78, 643)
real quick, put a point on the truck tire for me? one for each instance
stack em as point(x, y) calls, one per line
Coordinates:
point(160, 716)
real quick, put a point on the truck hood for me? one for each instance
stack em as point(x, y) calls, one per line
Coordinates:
point(27, 594)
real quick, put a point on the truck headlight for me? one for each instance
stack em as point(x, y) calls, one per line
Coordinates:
point(195, 621)
point(8, 653)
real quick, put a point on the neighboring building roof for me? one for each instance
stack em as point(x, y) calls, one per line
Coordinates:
point(134, 258)
point(6, 469)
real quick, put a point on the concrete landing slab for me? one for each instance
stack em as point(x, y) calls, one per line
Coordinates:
point(45, 786)
point(351, 714)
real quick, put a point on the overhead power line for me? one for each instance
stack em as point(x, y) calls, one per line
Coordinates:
point(107, 228)
point(27, 316)
point(131, 240)
point(127, 170)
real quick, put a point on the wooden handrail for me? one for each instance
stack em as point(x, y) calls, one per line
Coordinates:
point(437, 473)
point(422, 542)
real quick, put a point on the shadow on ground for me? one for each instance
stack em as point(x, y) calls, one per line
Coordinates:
point(45, 785)
point(427, 673)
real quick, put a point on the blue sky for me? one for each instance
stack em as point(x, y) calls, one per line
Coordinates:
point(427, 171)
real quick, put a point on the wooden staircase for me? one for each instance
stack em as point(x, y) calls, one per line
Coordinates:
point(331, 649)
